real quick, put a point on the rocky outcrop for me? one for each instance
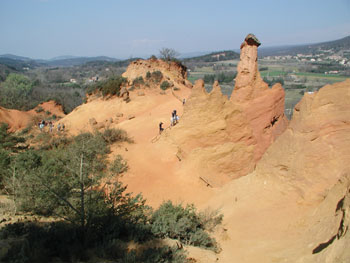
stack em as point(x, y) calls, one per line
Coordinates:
point(171, 70)
point(313, 153)
point(213, 136)
point(295, 206)
point(124, 93)
point(223, 139)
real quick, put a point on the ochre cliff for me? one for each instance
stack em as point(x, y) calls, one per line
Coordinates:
point(171, 70)
point(222, 139)
point(295, 206)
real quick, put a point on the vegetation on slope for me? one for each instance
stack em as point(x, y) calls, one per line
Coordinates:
point(92, 216)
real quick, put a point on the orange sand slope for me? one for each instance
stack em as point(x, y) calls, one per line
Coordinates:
point(283, 211)
point(18, 120)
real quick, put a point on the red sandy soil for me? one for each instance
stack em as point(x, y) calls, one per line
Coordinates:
point(18, 120)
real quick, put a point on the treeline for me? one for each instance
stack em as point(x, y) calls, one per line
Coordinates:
point(273, 81)
point(22, 93)
point(215, 56)
point(71, 180)
point(317, 67)
point(222, 77)
point(23, 86)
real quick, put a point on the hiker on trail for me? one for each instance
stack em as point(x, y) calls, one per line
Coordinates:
point(174, 118)
point(51, 126)
point(41, 126)
point(160, 127)
point(59, 127)
point(183, 101)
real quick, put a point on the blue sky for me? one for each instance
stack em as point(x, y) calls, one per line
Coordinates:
point(123, 29)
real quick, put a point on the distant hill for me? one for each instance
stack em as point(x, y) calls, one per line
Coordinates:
point(335, 46)
point(193, 54)
point(14, 57)
point(19, 65)
point(18, 62)
point(214, 56)
point(75, 61)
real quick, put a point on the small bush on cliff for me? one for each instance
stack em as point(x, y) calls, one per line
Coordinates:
point(156, 76)
point(184, 224)
point(110, 87)
point(165, 85)
point(115, 135)
point(138, 82)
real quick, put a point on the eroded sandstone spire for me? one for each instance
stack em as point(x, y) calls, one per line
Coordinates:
point(248, 81)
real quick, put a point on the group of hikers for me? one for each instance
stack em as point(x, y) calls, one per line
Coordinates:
point(42, 124)
point(173, 120)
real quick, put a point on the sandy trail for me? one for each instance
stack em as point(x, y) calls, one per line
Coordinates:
point(154, 169)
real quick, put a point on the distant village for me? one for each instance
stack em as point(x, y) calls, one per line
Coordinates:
point(323, 56)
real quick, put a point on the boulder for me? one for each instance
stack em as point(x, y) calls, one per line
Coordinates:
point(124, 93)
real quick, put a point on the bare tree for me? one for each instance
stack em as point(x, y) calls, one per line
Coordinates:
point(168, 54)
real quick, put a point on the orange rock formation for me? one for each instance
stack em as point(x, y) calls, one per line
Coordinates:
point(171, 70)
point(295, 206)
point(223, 139)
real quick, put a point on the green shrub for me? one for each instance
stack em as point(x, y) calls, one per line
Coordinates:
point(8, 141)
point(184, 224)
point(165, 85)
point(210, 219)
point(161, 254)
point(119, 165)
point(48, 242)
point(39, 109)
point(115, 135)
point(48, 112)
point(138, 82)
point(148, 75)
point(156, 76)
point(110, 87)
point(25, 130)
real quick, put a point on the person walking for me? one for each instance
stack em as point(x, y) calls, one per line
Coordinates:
point(160, 127)
point(50, 126)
